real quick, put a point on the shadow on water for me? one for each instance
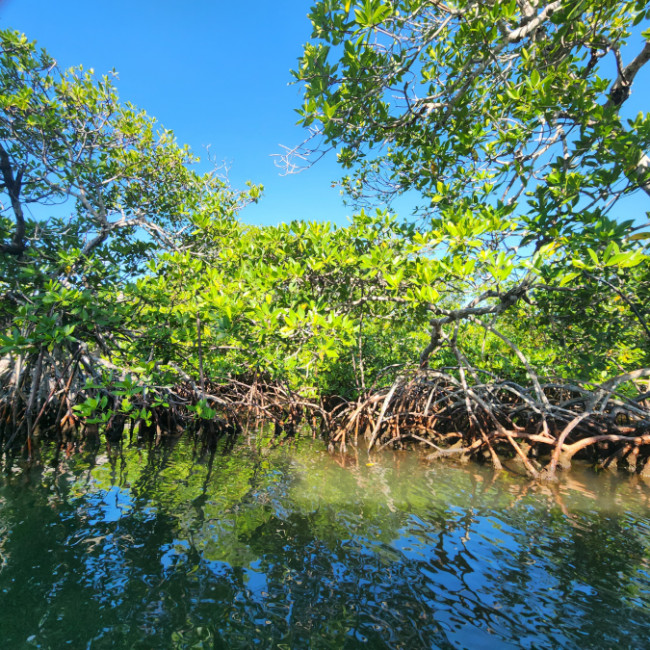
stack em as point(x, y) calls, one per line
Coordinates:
point(295, 548)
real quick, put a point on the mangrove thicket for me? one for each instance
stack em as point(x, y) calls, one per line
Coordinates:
point(507, 316)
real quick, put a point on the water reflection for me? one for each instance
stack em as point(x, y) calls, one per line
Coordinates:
point(296, 548)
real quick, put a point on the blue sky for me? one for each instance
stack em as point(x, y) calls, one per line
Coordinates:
point(214, 72)
point(217, 74)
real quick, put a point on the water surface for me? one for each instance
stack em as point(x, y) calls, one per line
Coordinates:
point(296, 548)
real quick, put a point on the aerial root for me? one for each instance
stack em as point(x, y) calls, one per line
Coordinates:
point(70, 403)
point(543, 426)
point(491, 420)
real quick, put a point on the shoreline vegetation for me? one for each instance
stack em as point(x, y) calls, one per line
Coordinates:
point(543, 426)
point(134, 302)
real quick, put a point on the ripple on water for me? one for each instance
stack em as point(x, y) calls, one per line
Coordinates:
point(297, 548)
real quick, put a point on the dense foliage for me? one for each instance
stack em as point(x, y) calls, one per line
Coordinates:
point(509, 124)
point(125, 271)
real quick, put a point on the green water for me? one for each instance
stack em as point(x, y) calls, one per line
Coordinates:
point(295, 548)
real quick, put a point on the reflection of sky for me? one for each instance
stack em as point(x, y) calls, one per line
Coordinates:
point(397, 554)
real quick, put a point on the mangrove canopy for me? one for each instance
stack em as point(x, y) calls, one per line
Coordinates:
point(506, 316)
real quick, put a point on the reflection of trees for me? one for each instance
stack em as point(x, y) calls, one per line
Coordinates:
point(159, 549)
point(567, 571)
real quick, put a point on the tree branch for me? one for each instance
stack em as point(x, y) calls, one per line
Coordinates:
point(13, 185)
point(621, 88)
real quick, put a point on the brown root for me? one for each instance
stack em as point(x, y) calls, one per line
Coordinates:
point(441, 410)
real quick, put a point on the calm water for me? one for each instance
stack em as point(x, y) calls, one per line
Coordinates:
point(299, 549)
